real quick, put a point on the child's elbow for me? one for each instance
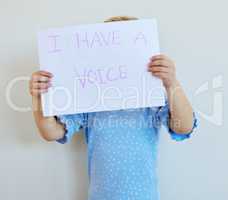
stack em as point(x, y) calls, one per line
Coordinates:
point(183, 127)
point(183, 130)
point(48, 137)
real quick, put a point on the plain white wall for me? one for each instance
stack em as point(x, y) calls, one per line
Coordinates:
point(194, 33)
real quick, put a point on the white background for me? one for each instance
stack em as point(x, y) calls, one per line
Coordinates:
point(194, 33)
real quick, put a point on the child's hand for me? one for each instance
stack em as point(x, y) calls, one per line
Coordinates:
point(163, 67)
point(40, 82)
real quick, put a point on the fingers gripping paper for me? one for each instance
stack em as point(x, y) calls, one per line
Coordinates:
point(100, 67)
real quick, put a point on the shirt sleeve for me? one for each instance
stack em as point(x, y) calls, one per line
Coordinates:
point(72, 125)
point(163, 115)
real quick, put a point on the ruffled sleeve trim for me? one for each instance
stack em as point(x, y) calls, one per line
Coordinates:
point(183, 136)
point(70, 125)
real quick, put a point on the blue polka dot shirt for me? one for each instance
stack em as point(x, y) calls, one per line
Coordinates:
point(122, 150)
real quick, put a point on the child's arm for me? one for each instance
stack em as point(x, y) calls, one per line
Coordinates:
point(181, 113)
point(48, 127)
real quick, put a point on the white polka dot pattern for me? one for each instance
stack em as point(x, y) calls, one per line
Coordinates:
point(122, 151)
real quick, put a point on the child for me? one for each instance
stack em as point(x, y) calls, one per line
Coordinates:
point(122, 145)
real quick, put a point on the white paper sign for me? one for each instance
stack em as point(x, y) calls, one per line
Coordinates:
point(100, 67)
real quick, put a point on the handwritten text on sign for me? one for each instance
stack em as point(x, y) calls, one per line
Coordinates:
point(100, 67)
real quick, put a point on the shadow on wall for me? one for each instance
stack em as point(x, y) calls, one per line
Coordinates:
point(59, 166)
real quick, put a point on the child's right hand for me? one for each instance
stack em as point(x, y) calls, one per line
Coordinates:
point(40, 82)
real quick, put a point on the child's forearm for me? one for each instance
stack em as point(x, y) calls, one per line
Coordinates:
point(181, 120)
point(181, 113)
point(48, 127)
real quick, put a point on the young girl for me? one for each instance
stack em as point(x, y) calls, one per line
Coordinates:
point(122, 145)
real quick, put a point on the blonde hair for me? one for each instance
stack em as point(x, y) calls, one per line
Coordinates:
point(120, 18)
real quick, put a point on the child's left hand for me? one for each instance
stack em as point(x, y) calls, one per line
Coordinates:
point(164, 68)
